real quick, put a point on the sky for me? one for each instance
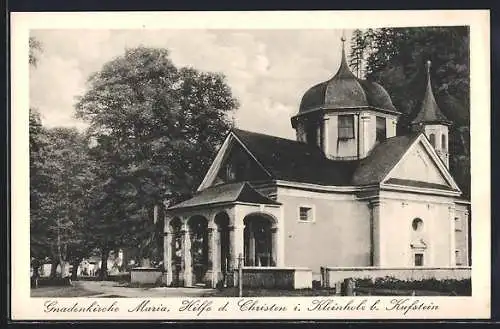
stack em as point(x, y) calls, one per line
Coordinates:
point(268, 70)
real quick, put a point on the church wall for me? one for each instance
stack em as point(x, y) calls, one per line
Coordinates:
point(368, 130)
point(368, 137)
point(418, 166)
point(391, 126)
point(332, 135)
point(462, 234)
point(398, 210)
point(339, 234)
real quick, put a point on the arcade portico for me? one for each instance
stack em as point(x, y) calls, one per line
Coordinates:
point(204, 236)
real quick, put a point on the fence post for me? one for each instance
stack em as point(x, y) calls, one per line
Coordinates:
point(240, 274)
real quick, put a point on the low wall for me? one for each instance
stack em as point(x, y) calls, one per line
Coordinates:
point(331, 275)
point(145, 275)
point(275, 277)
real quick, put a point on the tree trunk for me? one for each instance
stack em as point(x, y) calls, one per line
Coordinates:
point(74, 270)
point(103, 271)
point(125, 260)
point(53, 268)
point(64, 268)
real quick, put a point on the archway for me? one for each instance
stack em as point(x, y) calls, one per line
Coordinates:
point(259, 240)
point(221, 254)
point(176, 247)
point(198, 229)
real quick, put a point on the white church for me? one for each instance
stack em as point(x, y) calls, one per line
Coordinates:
point(347, 194)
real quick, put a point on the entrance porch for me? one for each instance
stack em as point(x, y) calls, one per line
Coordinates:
point(204, 236)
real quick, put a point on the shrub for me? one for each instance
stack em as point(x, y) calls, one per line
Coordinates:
point(452, 286)
point(51, 282)
point(316, 284)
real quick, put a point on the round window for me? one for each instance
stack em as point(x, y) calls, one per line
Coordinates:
point(417, 224)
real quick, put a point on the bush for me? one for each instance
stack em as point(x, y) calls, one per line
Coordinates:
point(316, 284)
point(458, 287)
point(51, 282)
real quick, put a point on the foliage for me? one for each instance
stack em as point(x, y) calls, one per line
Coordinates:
point(154, 129)
point(35, 47)
point(459, 287)
point(51, 282)
point(60, 180)
point(395, 58)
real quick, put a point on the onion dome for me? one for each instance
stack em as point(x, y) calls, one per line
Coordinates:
point(345, 90)
point(429, 110)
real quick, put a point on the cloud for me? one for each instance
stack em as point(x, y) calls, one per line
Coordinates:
point(268, 70)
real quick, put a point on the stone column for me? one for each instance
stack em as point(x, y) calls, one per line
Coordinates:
point(218, 254)
point(167, 258)
point(251, 245)
point(188, 270)
point(376, 230)
point(274, 246)
point(211, 275)
point(235, 248)
point(364, 142)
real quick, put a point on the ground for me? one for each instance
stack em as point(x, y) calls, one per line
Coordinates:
point(117, 289)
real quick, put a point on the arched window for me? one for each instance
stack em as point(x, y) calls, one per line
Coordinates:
point(381, 131)
point(417, 224)
point(444, 145)
point(432, 139)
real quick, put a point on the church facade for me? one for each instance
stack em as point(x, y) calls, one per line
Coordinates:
point(348, 192)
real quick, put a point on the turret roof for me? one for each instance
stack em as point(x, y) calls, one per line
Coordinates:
point(429, 109)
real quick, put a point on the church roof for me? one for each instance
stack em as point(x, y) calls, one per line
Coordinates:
point(290, 160)
point(300, 162)
point(429, 109)
point(226, 193)
point(345, 90)
point(384, 156)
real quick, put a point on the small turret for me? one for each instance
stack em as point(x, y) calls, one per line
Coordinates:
point(432, 122)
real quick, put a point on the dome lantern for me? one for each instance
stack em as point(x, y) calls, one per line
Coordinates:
point(335, 114)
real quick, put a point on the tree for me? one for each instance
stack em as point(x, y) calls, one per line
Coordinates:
point(156, 129)
point(37, 142)
point(39, 248)
point(35, 47)
point(62, 181)
point(396, 59)
point(361, 43)
point(59, 182)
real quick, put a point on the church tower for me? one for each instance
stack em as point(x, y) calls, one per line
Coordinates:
point(346, 117)
point(432, 122)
